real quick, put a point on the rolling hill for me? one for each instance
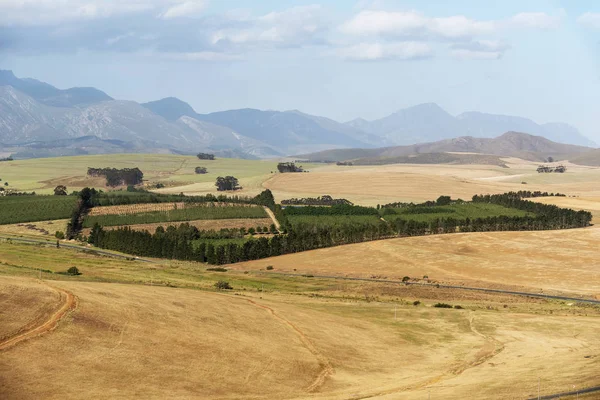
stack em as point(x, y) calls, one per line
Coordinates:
point(510, 144)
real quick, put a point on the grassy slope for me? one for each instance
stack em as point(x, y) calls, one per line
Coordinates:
point(43, 174)
point(222, 341)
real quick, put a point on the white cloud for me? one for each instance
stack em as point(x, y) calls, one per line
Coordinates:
point(386, 51)
point(537, 20)
point(412, 23)
point(46, 12)
point(294, 27)
point(190, 8)
point(589, 20)
point(415, 24)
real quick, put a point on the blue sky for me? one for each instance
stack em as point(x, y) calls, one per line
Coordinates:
point(340, 59)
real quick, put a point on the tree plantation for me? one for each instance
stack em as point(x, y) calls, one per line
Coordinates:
point(307, 228)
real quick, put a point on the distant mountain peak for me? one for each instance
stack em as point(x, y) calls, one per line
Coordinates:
point(170, 108)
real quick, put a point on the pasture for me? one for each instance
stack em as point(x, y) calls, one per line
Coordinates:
point(322, 339)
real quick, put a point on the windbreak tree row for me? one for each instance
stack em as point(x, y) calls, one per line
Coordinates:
point(306, 236)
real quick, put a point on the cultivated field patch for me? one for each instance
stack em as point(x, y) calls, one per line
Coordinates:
point(188, 213)
point(203, 225)
point(15, 209)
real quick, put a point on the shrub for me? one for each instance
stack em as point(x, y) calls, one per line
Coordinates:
point(218, 269)
point(425, 276)
point(442, 305)
point(73, 271)
point(416, 303)
point(223, 285)
point(406, 279)
point(59, 235)
point(270, 268)
point(458, 307)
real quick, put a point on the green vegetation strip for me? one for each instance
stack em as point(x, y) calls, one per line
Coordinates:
point(456, 211)
point(186, 214)
point(332, 220)
point(19, 209)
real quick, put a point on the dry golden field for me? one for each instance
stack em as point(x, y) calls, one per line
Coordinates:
point(155, 342)
point(545, 261)
point(371, 185)
point(160, 330)
point(45, 229)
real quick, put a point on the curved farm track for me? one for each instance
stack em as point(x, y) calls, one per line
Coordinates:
point(326, 367)
point(68, 303)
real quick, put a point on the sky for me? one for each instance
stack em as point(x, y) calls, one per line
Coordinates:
point(341, 59)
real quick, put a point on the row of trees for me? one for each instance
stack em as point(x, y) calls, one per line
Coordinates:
point(289, 167)
point(324, 200)
point(118, 177)
point(205, 156)
point(338, 209)
point(84, 204)
point(176, 243)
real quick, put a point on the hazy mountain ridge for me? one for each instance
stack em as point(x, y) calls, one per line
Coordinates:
point(429, 123)
point(510, 144)
point(51, 96)
point(36, 112)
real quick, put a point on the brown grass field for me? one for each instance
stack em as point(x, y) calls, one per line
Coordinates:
point(160, 330)
point(38, 229)
point(155, 342)
point(547, 261)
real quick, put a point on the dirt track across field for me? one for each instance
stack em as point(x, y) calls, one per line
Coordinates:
point(69, 304)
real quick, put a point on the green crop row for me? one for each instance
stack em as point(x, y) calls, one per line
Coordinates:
point(186, 214)
point(459, 211)
point(20, 209)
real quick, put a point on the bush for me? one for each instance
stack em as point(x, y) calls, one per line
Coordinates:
point(73, 271)
point(416, 303)
point(458, 307)
point(59, 235)
point(406, 279)
point(223, 285)
point(218, 269)
point(270, 268)
point(442, 305)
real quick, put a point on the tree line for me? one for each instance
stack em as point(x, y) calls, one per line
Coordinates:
point(289, 167)
point(176, 243)
point(324, 200)
point(117, 177)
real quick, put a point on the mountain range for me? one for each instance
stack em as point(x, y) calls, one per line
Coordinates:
point(510, 144)
point(38, 120)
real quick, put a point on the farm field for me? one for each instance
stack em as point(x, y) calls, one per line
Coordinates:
point(38, 229)
point(365, 185)
point(333, 220)
point(176, 172)
point(335, 345)
point(456, 211)
point(189, 213)
point(16, 209)
point(543, 261)
point(203, 225)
